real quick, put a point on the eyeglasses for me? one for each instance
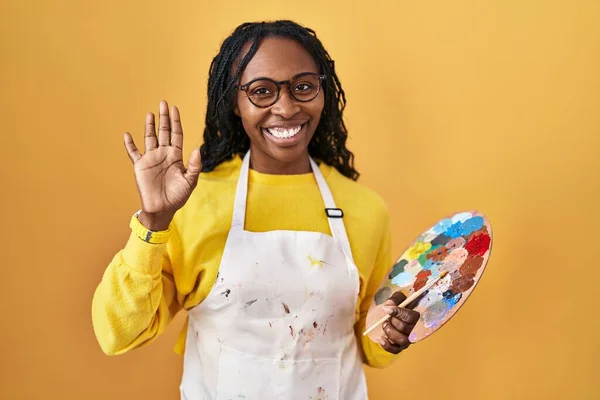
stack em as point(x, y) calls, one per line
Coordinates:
point(264, 92)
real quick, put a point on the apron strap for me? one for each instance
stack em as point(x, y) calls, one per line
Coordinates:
point(334, 215)
point(241, 193)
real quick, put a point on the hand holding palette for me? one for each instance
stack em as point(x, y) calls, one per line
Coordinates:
point(453, 253)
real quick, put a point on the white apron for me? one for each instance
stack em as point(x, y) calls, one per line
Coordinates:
point(279, 321)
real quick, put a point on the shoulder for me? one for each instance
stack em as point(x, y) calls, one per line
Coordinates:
point(356, 199)
point(367, 221)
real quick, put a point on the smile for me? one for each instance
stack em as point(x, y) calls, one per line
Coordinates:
point(284, 133)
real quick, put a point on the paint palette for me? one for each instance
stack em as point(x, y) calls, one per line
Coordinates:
point(460, 244)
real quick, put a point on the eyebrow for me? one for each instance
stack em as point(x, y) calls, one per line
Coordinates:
point(292, 78)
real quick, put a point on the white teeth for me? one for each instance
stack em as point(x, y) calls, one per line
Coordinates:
point(284, 133)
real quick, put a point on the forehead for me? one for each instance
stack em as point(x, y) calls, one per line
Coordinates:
point(279, 59)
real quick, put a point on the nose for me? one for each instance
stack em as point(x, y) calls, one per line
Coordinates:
point(286, 106)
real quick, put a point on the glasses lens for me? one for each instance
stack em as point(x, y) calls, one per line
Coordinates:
point(262, 92)
point(306, 87)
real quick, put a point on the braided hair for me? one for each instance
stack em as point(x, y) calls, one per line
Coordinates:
point(224, 135)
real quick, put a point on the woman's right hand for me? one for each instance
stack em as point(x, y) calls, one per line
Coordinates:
point(164, 184)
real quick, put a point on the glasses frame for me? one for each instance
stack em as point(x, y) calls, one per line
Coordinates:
point(244, 88)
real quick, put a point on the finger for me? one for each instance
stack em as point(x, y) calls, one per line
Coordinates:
point(150, 133)
point(176, 129)
point(411, 317)
point(132, 151)
point(394, 335)
point(398, 298)
point(390, 347)
point(403, 314)
point(402, 326)
point(164, 126)
point(194, 167)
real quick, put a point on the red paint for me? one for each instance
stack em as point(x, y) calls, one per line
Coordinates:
point(462, 283)
point(478, 245)
point(471, 266)
point(482, 231)
point(421, 279)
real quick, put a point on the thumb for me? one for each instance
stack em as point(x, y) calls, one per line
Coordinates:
point(194, 167)
point(398, 297)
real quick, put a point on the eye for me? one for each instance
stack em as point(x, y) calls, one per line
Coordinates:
point(303, 87)
point(261, 92)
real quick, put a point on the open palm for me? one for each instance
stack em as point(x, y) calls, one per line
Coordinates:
point(164, 184)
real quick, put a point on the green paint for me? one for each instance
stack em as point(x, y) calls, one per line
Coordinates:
point(398, 268)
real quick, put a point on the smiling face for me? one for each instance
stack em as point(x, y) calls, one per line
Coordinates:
point(279, 134)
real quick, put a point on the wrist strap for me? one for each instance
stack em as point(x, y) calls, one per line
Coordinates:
point(145, 234)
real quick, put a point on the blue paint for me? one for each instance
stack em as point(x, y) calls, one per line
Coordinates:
point(454, 231)
point(403, 279)
point(471, 225)
point(451, 299)
point(432, 266)
point(441, 226)
point(459, 229)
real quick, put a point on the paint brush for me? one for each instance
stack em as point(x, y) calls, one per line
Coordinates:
point(406, 302)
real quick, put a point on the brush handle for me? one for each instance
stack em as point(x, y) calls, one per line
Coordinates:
point(406, 302)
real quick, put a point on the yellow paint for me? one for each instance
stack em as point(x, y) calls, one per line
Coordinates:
point(314, 262)
point(416, 250)
point(428, 83)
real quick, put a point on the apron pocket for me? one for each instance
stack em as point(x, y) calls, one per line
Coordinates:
point(249, 377)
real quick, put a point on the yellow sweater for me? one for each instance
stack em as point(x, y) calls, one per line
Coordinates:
point(145, 285)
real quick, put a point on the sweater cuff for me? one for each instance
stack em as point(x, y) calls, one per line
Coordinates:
point(142, 256)
point(147, 235)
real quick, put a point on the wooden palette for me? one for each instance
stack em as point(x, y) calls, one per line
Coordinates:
point(460, 244)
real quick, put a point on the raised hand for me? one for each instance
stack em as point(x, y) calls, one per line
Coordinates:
point(164, 184)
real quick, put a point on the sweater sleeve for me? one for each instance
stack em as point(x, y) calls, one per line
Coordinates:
point(373, 354)
point(136, 297)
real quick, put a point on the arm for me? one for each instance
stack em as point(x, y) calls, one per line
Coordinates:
point(136, 297)
point(373, 354)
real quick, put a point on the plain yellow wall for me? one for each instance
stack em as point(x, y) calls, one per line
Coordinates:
point(493, 105)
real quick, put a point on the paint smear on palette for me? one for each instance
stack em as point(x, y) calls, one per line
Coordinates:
point(460, 244)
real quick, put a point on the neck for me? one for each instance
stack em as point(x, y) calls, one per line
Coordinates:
point(265, 164)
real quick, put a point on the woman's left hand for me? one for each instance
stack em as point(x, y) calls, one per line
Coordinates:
point(400, 325)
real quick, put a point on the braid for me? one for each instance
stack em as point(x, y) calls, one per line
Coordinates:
point(224, 135)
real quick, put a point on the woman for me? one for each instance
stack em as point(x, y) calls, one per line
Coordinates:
point(265, 239)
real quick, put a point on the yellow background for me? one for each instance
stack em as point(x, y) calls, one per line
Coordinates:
point(493, 105)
